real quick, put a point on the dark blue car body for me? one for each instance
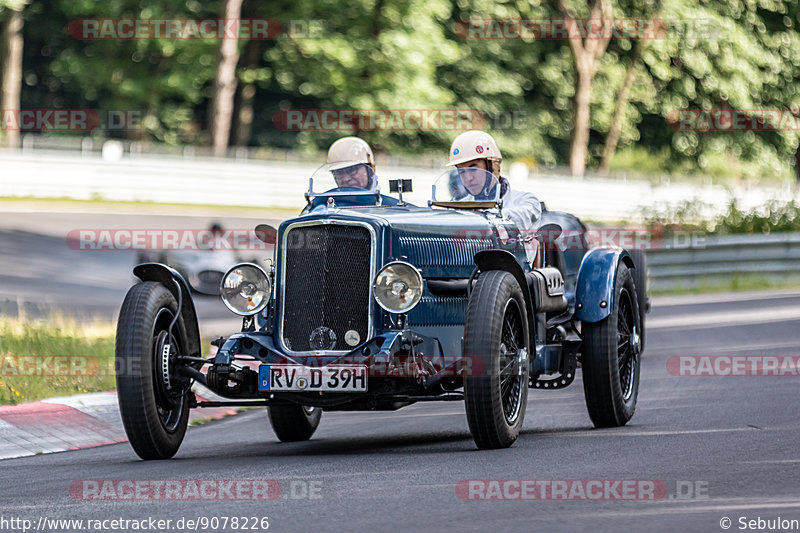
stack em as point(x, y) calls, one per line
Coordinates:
point(488, 319)
point(443, 244)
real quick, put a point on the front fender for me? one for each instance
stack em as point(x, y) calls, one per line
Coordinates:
point(165, 275)
point(597, 278)
point(495, 259)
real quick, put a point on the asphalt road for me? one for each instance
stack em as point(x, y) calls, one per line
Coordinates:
point(728, 442)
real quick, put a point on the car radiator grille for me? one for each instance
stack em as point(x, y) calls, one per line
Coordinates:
point(327, 279)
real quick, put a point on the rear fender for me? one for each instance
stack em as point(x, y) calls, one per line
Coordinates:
point(597, 278)
point(167, 276)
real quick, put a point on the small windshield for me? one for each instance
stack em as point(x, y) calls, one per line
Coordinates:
point(346, 175)
point(466, 185)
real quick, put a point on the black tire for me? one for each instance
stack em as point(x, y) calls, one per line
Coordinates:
point(611, 358)
point(155, 418)
point(293, 423)
point(640, 280)
point(495, 332)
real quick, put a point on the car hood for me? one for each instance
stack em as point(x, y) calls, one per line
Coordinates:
point(418, 220)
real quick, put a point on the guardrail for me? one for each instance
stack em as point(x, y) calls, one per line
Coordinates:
point(718, 260)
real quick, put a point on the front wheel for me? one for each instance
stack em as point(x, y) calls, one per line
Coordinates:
point(611, 357)
point(293, 423)
point(496, 332)
point(153, 398)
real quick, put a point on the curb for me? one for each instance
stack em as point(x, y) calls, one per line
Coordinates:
point(74, 422)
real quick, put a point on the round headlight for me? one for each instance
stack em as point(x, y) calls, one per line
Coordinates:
point(398, 287)
point(245, 289)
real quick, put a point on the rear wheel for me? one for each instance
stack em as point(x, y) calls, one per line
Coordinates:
point(610, 358)
point(153, 398)
point(640, 281)
point(293, 423)
point(496, 332)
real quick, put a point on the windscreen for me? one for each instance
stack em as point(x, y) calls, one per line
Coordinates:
point(466, 185)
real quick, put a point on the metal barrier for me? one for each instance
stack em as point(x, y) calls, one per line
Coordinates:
point(717, 260)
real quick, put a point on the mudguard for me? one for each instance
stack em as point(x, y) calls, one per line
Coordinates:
point(597, 277)
point(496, 259)
point(165, 275)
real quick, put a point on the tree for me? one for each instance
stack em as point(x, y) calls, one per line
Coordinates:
point(726, 56)
point(11, 66)
point(622, 100)
point(586, 52)
point(224, 90)
point(367, 55)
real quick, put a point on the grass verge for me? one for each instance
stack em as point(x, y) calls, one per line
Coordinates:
point(144, 206)
point(54, 357)
point(734, 283)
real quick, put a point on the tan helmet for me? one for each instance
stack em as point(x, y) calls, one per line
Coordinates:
point(348, 150)
point(475, 144)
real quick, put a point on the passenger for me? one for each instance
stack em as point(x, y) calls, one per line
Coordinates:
point(478, 150)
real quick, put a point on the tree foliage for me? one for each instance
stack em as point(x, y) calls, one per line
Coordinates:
point(410, 54)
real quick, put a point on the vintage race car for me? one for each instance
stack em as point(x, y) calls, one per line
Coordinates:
point(372, 303)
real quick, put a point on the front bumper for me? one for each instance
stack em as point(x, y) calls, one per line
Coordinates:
point(400, 363)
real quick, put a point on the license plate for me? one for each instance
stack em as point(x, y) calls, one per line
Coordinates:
point(299, 378)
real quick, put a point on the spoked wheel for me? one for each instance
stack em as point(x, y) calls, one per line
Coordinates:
point(293, 423)
point(512, 368)
point(627, 354)
point(496, 332)
point(153, 396)
point(640, 282)
point(611, 358)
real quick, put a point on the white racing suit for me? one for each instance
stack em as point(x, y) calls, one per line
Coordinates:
point(524, 210)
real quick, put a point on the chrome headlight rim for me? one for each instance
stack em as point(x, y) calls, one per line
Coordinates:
point(417, 272)
point(260, 307)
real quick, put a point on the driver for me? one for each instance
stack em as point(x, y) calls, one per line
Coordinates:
point(478, 150)
point(351, 162)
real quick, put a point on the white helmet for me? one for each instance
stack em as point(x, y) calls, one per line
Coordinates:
point(472, 145)
point(347, 151)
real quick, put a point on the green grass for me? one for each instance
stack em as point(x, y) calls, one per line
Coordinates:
point(54, 357)
point(736, 283)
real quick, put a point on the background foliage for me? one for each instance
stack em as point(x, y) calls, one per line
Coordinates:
point(406, 54)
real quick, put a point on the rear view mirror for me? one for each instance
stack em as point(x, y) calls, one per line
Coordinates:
point(400, 186)
point(267, 234)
